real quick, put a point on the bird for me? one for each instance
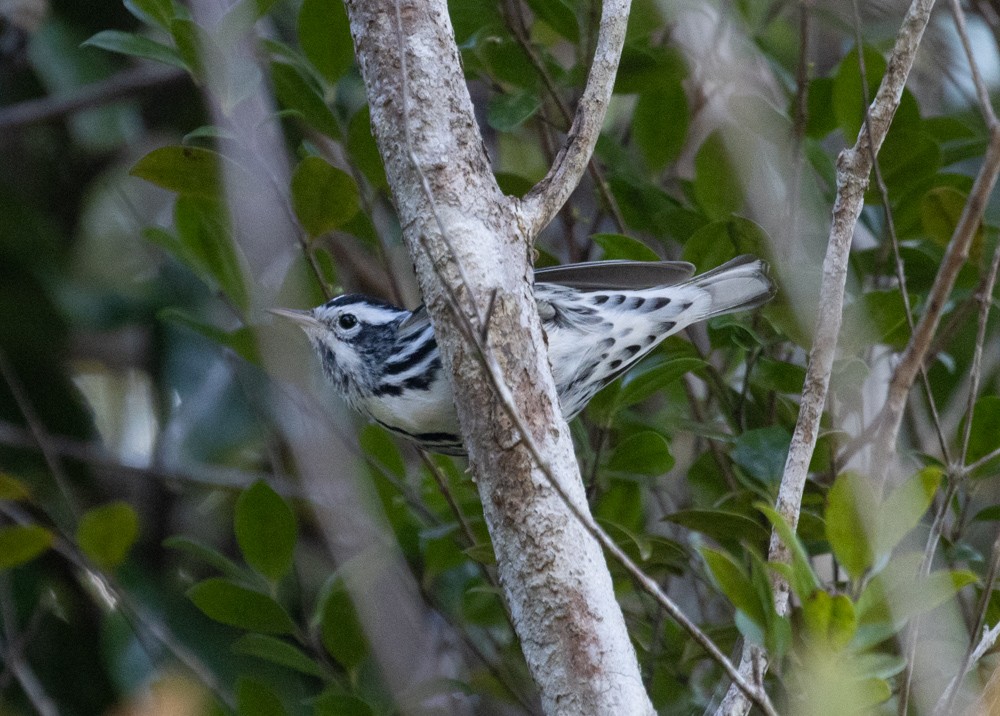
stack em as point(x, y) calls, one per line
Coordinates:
point(600, 318)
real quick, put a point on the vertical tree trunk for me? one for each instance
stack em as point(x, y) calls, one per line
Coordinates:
point(471, 245)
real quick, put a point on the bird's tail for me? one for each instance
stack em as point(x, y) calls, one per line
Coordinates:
point(738, 285)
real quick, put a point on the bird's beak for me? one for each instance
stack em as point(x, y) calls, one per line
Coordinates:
point(303, 318)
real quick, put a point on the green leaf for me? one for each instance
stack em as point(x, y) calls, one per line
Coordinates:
point(507, 112)
point(762, 452)
point(190, 171)
point(363, 150)
point(241, 341)
point(255, 699)
point(660, 124)
point(721, 525)
point(559, 15)
point(13, 489)
point(277, 651)
point(644, 67)
point(325, 37)
point(848, 97)
point(618, 246)
point(643, 453)
point(127, 43)
point(297, 94)
point(717, 186)
point(851, 514)
point(204, 235)
point(719, 241)
point(333, 702)
point(198, 49)
point(803, 579)
point(736, 585)
point(985, 428)
point(235, 605)
point(778, 376)
point(905, 505)
point(653, 375)
point(324, 197)
point(831, 620)
point(265, 530)
point(240, 19)
point(152, 12)
point(107, 533)
point(341, 634)
point(20, 544)
point(206, 554)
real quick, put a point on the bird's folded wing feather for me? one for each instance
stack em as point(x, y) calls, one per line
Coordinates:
point(616, 275)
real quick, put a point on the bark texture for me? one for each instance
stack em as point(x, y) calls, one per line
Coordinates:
point(471, 248)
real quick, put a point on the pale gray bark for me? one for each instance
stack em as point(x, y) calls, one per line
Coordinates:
point(471, 246)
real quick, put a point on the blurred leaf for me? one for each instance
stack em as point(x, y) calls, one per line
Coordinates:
point(506, 112)
point(324, 197)
point(237, 606)
point(277, 651)
point(107, 533)
point(559, 15)
point(153, 12)
point(820, 117)
point(333, 702)
point(851, 514)
point(240, 18)
point(735, 584)
point(341, 633)
point(645, 68)
point(255, 699)
point(985, 428)
point(20, 544)
point(940, 210)
point(721, 525)
point(242, 341)
point(13, 489)
point(297, 94)
point(618, 246)
point(265, 530)
point(189, 171)
point(660, 124)
point(716, 181)
point(830, 620)
point(325, 37)
point(206, 554)
point(643, 453)
point(762, 452)
point(904, 506)
point(204, 235)
point(136, 46)
point(198, 49)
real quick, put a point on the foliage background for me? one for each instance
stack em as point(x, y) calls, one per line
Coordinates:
point(146, 398)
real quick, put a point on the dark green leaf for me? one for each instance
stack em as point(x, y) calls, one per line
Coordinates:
point(645, 68)
point(341, 634)
point(136, 46)
point(940, 210)
point(204, 234)
point(848, 93)
point(851, 514)
point(363, 150)
point(255, 699)
point(721, 525)
point(152, 12)
point(506, 112)
point(559, 15)
point(106, 533)
point(22, 543)
point(622, 504)
point(778, 376)
point(643, 453)
point(333, 702)
point(237, 606)
point(660, 124)
point(277, 651)
point(325, 37)
point(820, 117)
point(735, 584)
point(206, 554)
point(324, 197)
point(13, 489)
point(719, 241)
point(265, 530)
point(985, 428)
point(653, 375)
point(618, 246)
point(717, 184)
point(189, 171)
point(803, 579)
point(762, 452)
point(297, 94)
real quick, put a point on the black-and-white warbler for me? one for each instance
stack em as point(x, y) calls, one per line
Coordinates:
point(600, 318)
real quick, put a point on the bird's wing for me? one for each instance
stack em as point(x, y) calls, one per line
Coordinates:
point(415, 322)
point(618, 275)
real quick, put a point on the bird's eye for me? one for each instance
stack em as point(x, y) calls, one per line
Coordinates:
point(347, 321)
